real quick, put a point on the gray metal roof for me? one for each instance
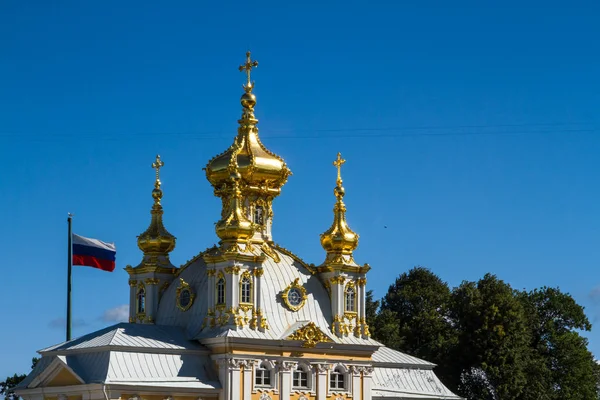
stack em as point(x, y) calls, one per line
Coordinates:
point(410, 383)
point(385, 355)
point(141, 336)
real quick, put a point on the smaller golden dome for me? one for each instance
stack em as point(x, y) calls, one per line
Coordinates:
point(339, 241)
point(156, 240)
point(234, 226)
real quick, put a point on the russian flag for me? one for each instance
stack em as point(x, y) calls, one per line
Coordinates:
point(94, 253)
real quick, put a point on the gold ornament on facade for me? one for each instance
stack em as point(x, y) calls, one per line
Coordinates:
point(294, 295)
point(339, 241)
point(156, 240)
point(266, 248)
point(152, 281)
point(184, 295)
point(235, 270)
point(310, 335)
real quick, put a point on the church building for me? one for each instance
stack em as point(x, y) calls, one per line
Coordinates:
point(243, 320)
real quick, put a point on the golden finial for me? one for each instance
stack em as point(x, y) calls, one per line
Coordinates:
point(338, 163)
point(248, 68)
point(157, 165)
point(156, 240)
point(339, 241)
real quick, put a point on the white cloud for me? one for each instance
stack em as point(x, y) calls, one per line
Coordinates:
point(595, 294)
point(116, 314)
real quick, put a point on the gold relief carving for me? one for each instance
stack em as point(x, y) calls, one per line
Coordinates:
point(269, 252)
point(361, 281)
point(258, 272)
point(245, 307)
point(235, 270)
point(132, 282)
point(211, 272)
point(184, 296)
point(294, 296)
point(350, 315)
point(337, 280)
point(310, 335)
point(152, 281)
point(131, 320)
point(141, 316)
point(253, 324)
point(149, 319)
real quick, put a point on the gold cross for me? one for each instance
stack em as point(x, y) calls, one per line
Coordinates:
point(157, 165)
point(338, 163)
point(248, 68)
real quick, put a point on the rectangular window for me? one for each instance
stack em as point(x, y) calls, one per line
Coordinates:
point(300, 380)
point(263, 377)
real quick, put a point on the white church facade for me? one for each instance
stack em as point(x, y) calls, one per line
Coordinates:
point(243, 320)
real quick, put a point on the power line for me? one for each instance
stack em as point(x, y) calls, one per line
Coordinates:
point(419, 131)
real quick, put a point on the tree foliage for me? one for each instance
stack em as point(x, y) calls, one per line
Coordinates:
point(490, 341)
point(8, 385)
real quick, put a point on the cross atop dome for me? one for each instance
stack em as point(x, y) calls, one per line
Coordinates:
point(248, 68)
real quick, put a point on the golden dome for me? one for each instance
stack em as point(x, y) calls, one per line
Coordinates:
point(257, 166)
point(339, 241)
point(156, 240)
point(234, 226)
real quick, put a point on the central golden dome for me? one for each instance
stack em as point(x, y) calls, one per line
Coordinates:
point(258, 167)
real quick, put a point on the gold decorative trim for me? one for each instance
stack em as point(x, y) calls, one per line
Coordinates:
point(337, 280)
point(361, 282)
point(270, 252)
point(211, 272)
point(310, 335)
point(285, 295)
point(258, 272)
point(232, 270)
point(184, 286)
point(133, 282)
point(152, 281)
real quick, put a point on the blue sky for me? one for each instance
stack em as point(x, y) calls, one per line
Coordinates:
point(471, 134)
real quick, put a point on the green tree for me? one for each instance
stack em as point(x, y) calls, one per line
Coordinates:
point(493, 339)
point(418, 300)
point(8, 385)
point(565, 368)
point(371, 309)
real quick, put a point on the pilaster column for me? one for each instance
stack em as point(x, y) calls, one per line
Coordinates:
point(321, 389)
point(285, 373)
point(225, 393)
point(354, 381)
point(151, 298)
point(132, 299)
point(247, 390)
point(236, 375)
point(367, 376)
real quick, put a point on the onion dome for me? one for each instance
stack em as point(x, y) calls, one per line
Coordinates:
point(156, 240)
point(234, 226)
point(258, 167)
point(339, 241)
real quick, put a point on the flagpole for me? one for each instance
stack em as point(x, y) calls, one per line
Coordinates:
point(69, 268)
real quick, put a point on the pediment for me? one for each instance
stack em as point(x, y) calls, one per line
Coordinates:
point(57, 373)
point(310, 334)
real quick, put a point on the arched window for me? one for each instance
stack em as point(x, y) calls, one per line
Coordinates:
point(301, 379)
point(350, 298)
point(221, 290)
point(245, 289)
point(263, 375)
point(259, 212)
point(141, 300)
point(337, 379)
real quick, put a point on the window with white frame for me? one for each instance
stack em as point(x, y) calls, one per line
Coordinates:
point(221, 291)
point(337, 379)
point(351, 298)
point(301, 377)
point(262, 375)
point(246, 290)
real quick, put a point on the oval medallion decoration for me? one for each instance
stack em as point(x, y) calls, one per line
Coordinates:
point(294, 296)
point(185, 296)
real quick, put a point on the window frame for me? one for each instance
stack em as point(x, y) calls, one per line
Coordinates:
point(350, 289)
point(246, 278)
point(335, 374)
point(220, 278)
point(266, 371)
point(306, 369)
point(141, 291)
